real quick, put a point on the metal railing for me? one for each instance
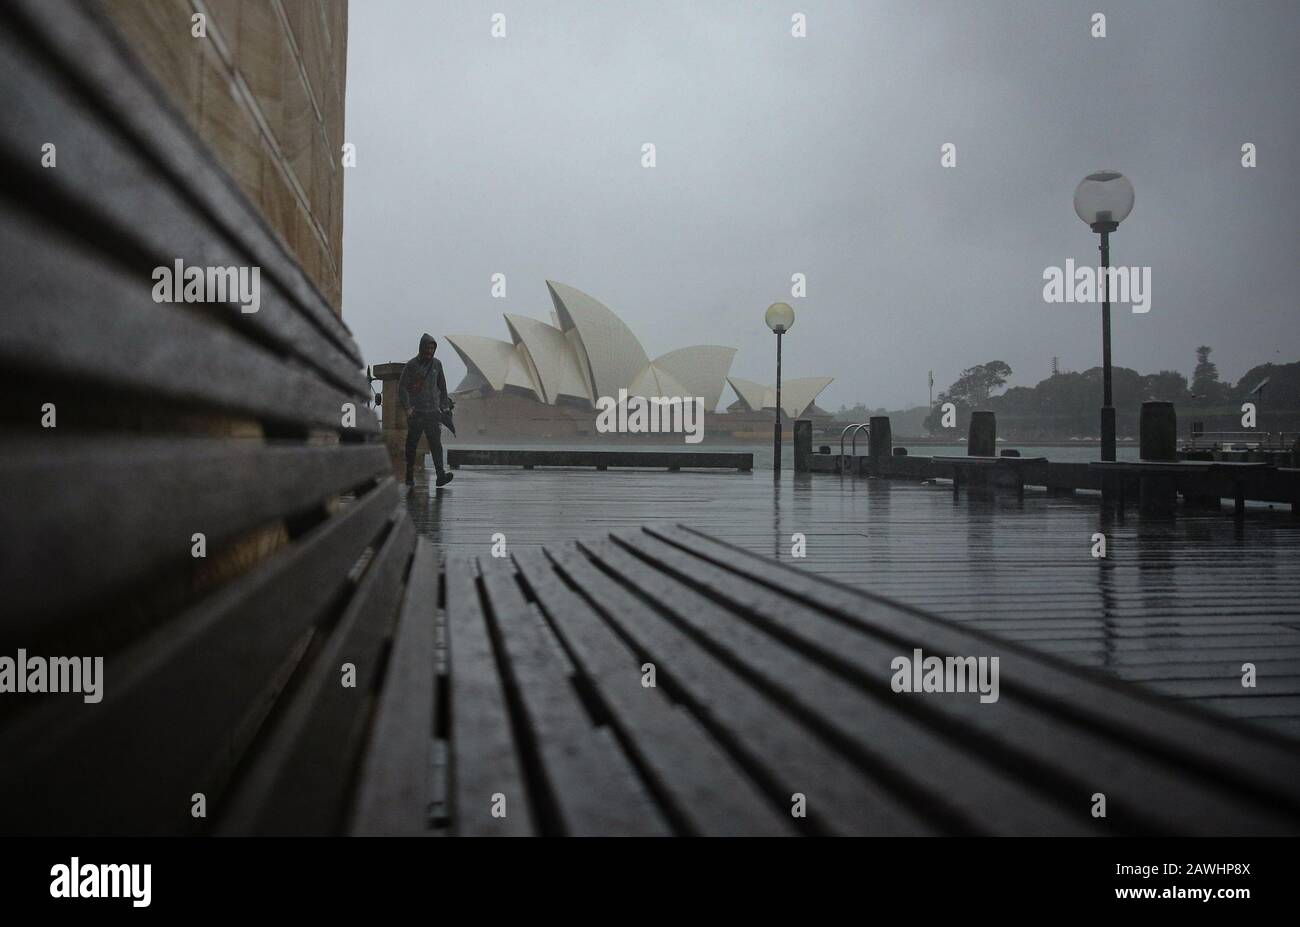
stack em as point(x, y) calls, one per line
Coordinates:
point(853, 448)
point(1252, 440)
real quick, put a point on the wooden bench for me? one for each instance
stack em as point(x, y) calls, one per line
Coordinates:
point(1217, 477)
point(458, 457)
point(179, 429)
point(990, 472)
point(769, 684)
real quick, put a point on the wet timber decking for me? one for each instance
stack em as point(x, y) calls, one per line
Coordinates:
point(1178, 605)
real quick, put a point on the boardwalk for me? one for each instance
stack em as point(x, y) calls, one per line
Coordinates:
point(1177, 606)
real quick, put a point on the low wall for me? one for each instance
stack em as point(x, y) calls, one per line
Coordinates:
point(601, 460)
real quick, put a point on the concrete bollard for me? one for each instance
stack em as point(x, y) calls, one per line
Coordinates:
point(880, 441)
point(394, 416)
point(982, 439)
point(1158, 437)
point(1158, 431)
point(802, 445)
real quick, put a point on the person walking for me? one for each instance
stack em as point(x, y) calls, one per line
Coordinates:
point(422, 391)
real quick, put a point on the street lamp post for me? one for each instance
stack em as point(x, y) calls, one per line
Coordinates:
point(1103, 200)
point(779, 318)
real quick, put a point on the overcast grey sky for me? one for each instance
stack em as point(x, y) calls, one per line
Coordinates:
point(821, 155)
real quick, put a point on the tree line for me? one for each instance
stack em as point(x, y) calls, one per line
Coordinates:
point(1074, 397)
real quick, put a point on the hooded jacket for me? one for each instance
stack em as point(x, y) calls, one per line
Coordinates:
point(422, 386)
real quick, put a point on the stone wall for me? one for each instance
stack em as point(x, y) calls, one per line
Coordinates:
point(265, 91)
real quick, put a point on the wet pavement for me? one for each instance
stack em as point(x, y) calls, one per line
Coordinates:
point(1178, 605)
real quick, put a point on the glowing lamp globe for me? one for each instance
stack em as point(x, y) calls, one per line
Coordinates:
point(779, 317)
point(1103, 200)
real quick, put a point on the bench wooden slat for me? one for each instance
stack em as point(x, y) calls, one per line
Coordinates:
point(394, 791)
point(591, 783)
point(109, 333)
point(700, 788)
point(301, 779)
point(843, 798)
point(485, 760)
point(1142, 791)
point(86, 516)
point(908, 756)
point(1245, 759)
point(135, 158)
point(180, 706)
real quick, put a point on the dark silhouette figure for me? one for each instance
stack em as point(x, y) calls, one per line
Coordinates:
point(422, 391)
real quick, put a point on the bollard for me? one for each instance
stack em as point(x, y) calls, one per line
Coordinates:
point(1158, 431)
point(394, 416)
point(982, 439)
point(802, 445)
point(880, 440)
point(900, 452)
point(1158, 437)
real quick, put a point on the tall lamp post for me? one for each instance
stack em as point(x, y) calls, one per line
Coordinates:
point(779, 318)
point(1103, 200)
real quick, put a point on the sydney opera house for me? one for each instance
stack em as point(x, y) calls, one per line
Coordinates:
point(546, 380)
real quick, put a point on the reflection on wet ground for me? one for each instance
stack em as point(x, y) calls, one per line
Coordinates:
point(1177, 604)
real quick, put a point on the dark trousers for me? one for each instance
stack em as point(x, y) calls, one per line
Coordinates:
point(425, 423)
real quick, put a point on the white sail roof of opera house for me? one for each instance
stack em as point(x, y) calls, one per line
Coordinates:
point(608, 353)
point(551, 357)
point(753, 395)
point(701, 369)
point(589, 352)
point(492, 363)
point(796, 395)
